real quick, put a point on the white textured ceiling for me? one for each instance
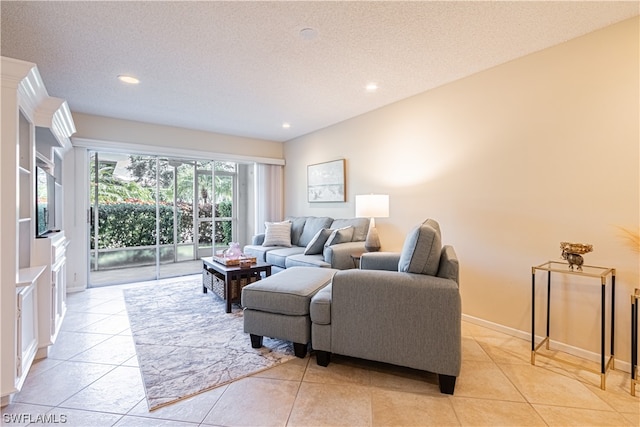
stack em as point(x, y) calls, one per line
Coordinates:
point(242, 68)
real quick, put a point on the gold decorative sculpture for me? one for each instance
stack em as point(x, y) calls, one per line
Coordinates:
point(572, 252)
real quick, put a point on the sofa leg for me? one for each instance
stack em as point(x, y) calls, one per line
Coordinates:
point(447, 383)
point(300, 350)
point(256, 341)
point(323, 358)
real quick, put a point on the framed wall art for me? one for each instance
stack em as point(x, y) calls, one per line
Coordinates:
point(325, 182)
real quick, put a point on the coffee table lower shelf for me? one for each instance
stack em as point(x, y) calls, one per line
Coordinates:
point(227, 281)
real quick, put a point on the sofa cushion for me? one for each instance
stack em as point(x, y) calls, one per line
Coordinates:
point(306, 261)
point(311, 227)
point(421, 250)
point(277, 234)
point(360, 227)
point(258, 251)
point(278, 257)
point(288, 292)
point(316, 245)
point(297, 225)
point(340, 235)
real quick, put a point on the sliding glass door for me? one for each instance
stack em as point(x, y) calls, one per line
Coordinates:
point(153, 217)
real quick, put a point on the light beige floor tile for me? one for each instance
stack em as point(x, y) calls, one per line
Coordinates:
point(485, 380)
point(78, 418)
point(113, 306)
point(254, 402)
point(539, 385)
point(126, 332)
point(585, 371)
point(481, 412)
point(331, 405)
point(129, 421)
point(69, 344)
point(396, 408)
point(292, 370)
point(341, 370)
point(617, 393)
point(632, 417)
point(88, 300)
point(399, 378)
point(118, 392)
point(115, 351)
point(55, 385)
point(112, 324)
point(563, 416)
point(41, 365)
point(22, 414)
point(77, 320)
point(471, 350)
point(132, 361)
point(506, 349)
point(472, 330)
point(193, 409)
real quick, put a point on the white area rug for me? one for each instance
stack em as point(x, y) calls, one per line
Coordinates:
point(187, 344)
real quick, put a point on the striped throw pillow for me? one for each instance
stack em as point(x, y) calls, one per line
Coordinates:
point(277, 234)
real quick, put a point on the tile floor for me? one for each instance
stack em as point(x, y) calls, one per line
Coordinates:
point(91, 378)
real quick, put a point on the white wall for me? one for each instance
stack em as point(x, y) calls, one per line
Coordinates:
point(153, 135)
point(510, 161)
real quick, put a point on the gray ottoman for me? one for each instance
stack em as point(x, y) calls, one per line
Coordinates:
point(278, 306)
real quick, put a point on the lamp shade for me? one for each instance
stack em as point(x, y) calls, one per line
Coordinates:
point(372, 205)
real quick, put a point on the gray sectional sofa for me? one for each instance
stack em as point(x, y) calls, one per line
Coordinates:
point(399, 308)
point(303, 231)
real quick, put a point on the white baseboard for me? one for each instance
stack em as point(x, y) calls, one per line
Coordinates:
point(620, 365)
point(74, 289)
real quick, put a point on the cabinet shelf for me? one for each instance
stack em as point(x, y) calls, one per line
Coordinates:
point(27, 276)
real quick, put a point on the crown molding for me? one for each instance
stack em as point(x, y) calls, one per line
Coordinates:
point(40, 108)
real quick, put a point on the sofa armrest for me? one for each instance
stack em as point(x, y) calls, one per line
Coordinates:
point(376, 315)
point(380, 261)
point(258, 239)
point(339, 256)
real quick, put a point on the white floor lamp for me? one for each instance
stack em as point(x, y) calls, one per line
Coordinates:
point(372, 206)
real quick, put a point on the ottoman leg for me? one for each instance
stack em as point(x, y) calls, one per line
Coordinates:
point(300, 350)
point(256, 341)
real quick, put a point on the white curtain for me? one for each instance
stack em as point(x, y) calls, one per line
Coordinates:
point(269, 194)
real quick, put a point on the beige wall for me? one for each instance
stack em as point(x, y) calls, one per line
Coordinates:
point(126, 131)
point(510, 161)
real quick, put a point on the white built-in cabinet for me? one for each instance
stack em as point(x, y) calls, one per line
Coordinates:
point(35, 131)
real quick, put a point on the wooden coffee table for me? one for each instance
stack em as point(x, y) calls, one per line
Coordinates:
point(227, 281)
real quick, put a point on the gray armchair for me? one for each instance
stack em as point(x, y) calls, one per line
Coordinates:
point(410, 316)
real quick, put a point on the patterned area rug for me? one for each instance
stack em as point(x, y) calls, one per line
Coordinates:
point(186, 343)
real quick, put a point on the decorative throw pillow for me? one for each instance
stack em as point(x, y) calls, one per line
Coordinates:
point(340, 235)
point(316, 244)
point(277, 234)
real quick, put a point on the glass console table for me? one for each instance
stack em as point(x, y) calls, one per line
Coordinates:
point(635, 299)
point(587, 271)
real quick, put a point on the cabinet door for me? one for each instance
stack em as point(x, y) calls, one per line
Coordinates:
point(58, 294)
point(27, 329)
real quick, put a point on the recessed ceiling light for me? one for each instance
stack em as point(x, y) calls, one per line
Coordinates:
point(371, 87)
point(286, 125)
point(128, 79)
point(308, 34)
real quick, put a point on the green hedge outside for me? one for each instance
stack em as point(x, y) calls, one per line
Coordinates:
point(123, 225)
